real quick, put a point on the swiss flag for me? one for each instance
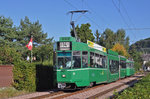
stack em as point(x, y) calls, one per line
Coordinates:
point(30, 44)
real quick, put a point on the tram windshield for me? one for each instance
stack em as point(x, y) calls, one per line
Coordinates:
point(64, 60)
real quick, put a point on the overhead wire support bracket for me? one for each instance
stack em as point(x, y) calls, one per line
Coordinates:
point(72, 22)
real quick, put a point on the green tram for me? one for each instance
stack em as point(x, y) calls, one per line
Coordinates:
point(130, 68)
point(80, 64)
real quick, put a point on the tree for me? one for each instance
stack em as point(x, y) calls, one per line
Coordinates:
point(97, 34)
point(28, 29)
point(84, 32)
point(107, 39)
point(141, 45)
point(120, 38)
point(120, 49)
point(127, 43)
point(136, 57)
point(120, 35)
point(44, 51)
point(7, 30)
point(9, 55)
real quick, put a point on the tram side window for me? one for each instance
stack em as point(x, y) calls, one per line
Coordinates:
point(91, 59)
point(131, 65)
point(97, 60)
point(76, 59)
point(104, 61)
point(114, 66)
point(127, 64)
point(117, 66)
point(123, 64)
point(84, 59)
point(110, 66)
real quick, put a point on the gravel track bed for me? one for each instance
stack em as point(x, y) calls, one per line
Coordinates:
point(90, 93)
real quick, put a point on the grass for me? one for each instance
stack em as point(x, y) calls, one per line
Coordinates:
point(8, 92)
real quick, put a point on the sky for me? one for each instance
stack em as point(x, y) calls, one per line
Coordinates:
point(113, 14)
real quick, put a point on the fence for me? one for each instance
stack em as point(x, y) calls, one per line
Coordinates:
point(6, 75)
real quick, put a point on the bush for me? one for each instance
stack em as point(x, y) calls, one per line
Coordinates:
point(137, 66)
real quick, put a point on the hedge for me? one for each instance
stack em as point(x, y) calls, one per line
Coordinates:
point(33, 77)
point(24, 76)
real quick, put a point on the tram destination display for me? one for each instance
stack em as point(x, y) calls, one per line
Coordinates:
point(64, 45)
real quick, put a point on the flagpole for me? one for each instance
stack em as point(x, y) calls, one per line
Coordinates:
point(29, 46)
point(31, 55)
point(31, 52)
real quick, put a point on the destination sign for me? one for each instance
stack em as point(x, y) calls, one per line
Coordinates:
point(64, 45)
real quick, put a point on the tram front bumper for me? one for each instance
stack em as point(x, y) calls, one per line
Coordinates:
point(61, 85)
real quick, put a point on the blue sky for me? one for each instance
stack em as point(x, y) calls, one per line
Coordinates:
point(102, 14)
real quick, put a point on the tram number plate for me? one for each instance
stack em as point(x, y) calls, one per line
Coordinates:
point(64, 45)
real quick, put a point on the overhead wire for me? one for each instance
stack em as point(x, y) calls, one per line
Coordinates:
point(127, 13)
point(103, 19)
point(137, 28)
point(119, 11)
point(70, 4)
point(128, 17)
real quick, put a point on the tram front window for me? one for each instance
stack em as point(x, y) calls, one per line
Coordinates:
point(64, 62)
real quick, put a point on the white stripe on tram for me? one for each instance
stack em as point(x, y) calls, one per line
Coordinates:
point(83, 69)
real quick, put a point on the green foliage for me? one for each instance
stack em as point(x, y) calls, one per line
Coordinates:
point(140, 45)
point(44, 52)
point(18, 37)
point(33, 76)
point(109, 38)
point(84, 32)
point(139, 91)
point(97, 35)
point(24, 76)
point(7, 31)
point(9, 55)
point(27, 28)
point(136, 57)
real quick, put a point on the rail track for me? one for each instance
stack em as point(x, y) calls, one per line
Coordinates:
point(87, 92)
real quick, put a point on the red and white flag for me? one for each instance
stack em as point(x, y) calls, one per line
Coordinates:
point(30, 44)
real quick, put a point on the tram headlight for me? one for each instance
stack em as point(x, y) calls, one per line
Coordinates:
point(63, 75)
